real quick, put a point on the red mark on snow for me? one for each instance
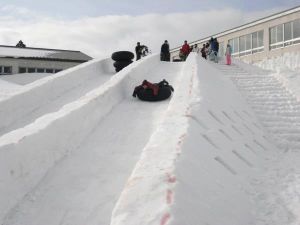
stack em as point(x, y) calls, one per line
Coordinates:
point(169, 197)
point(171, 179)
point(165, 219)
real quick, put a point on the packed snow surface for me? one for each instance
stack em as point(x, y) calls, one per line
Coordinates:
point(77, 148)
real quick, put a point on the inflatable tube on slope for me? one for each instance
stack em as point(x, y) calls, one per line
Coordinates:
point(147, 94)
point(153, 92)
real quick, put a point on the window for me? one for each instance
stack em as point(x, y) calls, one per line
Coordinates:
point(57, 70)
point(5, 70)
point(272, 35)
point(236, 45)
point(248, 42)
point(276, 36)
point(40, 70)
point(49, 70)
point(254, 40)
point(288, 31)
point(260, 35)
point(22, 70)
point(296, 31)
point(242, 43)
point(31, 70)
point(221, 49)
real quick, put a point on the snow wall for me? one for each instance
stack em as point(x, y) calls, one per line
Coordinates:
point(285, 62)
point(198, 165)
point(43, 91)
point(28, 153)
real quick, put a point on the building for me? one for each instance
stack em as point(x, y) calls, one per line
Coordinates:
point(15, 60)
point(264, 38)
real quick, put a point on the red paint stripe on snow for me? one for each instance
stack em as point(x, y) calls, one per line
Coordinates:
point(169, 197)
point(171, 179)
point(165, 219)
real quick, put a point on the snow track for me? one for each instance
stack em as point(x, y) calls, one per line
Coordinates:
point(218, 152)
point(51, 93)
point(83, 184)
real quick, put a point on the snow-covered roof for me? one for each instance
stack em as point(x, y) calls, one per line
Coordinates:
point(42, 53)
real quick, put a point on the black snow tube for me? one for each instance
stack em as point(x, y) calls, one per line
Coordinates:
point(121, 64)
point(122, 56)
point(164, 91)
point(147, 94)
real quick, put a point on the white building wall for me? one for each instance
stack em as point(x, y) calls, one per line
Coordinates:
point(16, 63)
point(264, 24)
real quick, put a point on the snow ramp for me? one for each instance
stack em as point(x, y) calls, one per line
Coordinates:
point(107, 158)
point(70, 166)
point(199, 165)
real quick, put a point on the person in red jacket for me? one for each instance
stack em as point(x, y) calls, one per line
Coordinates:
point(184, 51)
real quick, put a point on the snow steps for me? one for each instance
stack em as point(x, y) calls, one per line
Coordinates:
point(276, 107)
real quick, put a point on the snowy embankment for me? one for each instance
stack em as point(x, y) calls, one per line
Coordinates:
point(198, 165)
point(43, 158)
point(50, 93)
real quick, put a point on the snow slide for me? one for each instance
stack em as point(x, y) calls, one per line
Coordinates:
point(69, 166)
point(51, 93)
point(199, 165)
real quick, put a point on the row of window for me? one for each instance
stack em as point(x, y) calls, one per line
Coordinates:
point(248, 44)
point(285, 34)
point(37, 70)
point(5, 70)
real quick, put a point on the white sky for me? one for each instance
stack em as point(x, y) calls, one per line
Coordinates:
point(99, 28)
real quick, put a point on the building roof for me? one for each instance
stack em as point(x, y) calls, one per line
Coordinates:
point(43, 54)
point(247, 25)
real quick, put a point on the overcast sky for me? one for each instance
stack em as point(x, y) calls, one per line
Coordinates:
point(99, 27)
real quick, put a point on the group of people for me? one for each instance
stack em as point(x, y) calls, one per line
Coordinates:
point(209, 50)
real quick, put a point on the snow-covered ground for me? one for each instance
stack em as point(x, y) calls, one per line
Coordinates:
point(222, 150)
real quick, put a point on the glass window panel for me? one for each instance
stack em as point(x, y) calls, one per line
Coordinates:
point(280, 33)
point(22, 70)
point(254, 40)
point(273, 35)
point(40, 70)
point(49, 70)
point(0, 69)
point(57, 70)
point(288, 31)
point(221, 48)
point(296, 29)
point(260, 37)
point(31, 70)
point(248, 42)
point(232, 45)
point(7, 69)
point(236, 45)
point(242, 45)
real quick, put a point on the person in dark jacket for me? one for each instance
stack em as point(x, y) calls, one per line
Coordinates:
point(21, 44)
point(203, 51)
point(138, 51)
point(165, 52)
